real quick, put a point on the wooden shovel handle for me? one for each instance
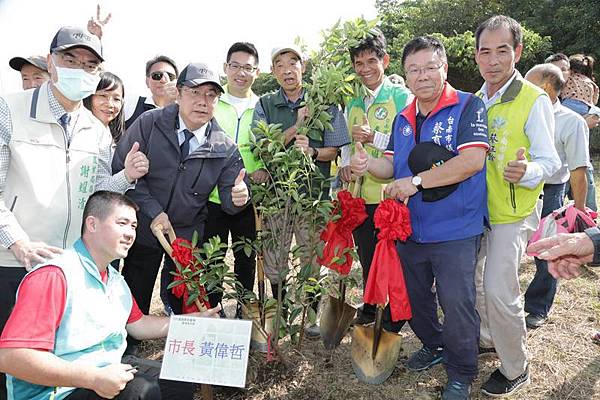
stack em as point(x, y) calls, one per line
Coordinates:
point(158, 231)
point(357, 185)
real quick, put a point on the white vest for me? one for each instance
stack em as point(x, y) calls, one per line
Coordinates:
point(50, 179)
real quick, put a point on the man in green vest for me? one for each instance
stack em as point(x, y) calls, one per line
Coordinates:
point(234, 114)
point(285, 107)
point(521, 156)
point(370, 121)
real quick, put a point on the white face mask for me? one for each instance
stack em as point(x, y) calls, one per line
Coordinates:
point(76, 84)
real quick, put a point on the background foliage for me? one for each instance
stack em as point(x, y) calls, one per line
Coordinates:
point(568, 26)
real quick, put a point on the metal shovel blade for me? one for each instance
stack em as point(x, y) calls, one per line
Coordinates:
point(373, 361)
point(335, 321)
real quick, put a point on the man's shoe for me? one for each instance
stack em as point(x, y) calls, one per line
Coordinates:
point(456, 390)
point(424, 359)
point(534, 321)
point(487, 351)
point(312, 331)
point(500, 386)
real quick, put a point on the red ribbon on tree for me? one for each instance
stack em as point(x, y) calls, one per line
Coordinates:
point(182, 253)
point(386, 279)
point(338, 234)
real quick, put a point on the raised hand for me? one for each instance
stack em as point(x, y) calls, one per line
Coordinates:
point(515, 169)
point(362, 133)
point(359, 162)
point(95, 25)
point(239, 191)
point(136, 163)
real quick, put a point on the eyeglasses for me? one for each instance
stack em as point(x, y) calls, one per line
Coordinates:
point(428, 70)
point(197, 93)
point(71, 62)
point(235, 67)
point(158, 75)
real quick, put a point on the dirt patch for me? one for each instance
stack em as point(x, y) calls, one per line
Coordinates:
point(564, 363)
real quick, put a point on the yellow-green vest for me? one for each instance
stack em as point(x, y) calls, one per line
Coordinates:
point(506, 130)
point(239, 130)
point(390, 100)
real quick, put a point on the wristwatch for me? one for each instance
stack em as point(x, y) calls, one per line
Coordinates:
point(594, 234)
point(315, 154)
point(416, 180)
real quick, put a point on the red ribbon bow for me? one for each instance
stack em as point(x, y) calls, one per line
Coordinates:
point(338, 233)
point(182, 253)
point(386, 279)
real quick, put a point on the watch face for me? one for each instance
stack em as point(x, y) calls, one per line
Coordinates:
point(416, 180)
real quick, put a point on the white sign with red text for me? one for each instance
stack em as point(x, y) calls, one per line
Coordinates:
point(207, 350)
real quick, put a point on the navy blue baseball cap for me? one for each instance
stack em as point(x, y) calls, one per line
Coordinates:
point(428, 155)
point(70, 37)
point(196, 74)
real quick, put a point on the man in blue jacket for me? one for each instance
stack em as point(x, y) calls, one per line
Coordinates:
point(447, 203)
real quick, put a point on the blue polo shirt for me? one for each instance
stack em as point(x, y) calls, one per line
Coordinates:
point(459, 121)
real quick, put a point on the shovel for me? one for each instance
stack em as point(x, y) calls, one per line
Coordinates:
point(260, 274)
point(374, 351)
point(205, 390)
point(337, 315)
point(336, 318)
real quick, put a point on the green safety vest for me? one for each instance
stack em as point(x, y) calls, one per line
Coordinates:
point(506, 132)
point(238, 129)
point(390, 100)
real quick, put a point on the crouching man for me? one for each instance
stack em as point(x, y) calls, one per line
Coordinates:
point(66, 335)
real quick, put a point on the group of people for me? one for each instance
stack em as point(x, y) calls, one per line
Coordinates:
point(183, 156)
point(515, 148)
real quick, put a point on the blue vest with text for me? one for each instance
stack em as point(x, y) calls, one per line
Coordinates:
point(463, 213)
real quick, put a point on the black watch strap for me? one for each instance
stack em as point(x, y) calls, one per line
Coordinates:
point(315, 154)
point(594, 234)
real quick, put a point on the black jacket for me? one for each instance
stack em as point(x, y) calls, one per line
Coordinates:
point(180, 189)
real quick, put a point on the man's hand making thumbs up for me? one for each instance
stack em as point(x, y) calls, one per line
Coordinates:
point(239, 191)
point(362, 133)
point(136, 163)
point(360, 160)
point(515, 169)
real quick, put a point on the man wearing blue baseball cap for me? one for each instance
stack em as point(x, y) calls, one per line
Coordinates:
point(53, 155)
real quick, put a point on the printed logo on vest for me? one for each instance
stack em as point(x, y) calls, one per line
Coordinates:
point(381, 113)
point(407, 130)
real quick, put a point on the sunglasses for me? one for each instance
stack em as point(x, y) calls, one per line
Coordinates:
point(158, 75)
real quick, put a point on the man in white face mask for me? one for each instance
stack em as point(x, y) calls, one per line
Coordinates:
point(53, 155)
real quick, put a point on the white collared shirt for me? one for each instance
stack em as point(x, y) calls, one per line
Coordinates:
point(539, 128)
point(199, 135)
point(571, 140)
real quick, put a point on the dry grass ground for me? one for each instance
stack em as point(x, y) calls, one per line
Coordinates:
point(564, 362)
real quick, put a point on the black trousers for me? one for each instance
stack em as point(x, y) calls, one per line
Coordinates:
point(140, 270)
point(365, 237)
point(10, 278)
point(144, 386)
point(241, 225)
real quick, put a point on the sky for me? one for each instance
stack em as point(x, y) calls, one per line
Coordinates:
point(187, 31)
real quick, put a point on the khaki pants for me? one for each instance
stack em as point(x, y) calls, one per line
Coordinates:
point(498, 292)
